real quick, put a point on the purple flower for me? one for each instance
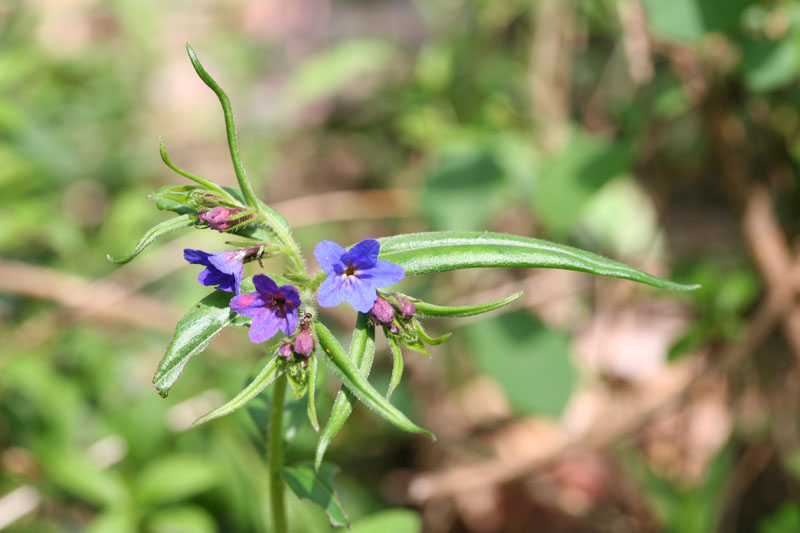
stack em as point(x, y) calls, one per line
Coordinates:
point(272, 308)
point(354, 275)
point(223, 269)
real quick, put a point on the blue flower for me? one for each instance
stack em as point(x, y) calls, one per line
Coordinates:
point(223, 269)
point(272, 308)
point(354, 276)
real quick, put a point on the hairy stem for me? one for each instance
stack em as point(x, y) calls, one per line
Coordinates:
point(275, 456)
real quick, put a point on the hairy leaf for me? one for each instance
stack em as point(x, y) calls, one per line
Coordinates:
point(192, 334)
point(426, 310)
point(268, 374)
point(362, 353)
point(167, 226)
point(397, 366)
point(354, 380)
point(423, 253)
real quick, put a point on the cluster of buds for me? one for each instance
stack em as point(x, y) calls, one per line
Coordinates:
point(396, 315)
point(302, 344)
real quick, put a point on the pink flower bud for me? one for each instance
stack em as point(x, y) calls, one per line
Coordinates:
point(393, 329)
point(220, 218)
point(285, 350)
point(382, 312)
point(407, 309)
point(304, 342)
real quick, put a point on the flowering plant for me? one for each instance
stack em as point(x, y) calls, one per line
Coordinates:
point(282, 307)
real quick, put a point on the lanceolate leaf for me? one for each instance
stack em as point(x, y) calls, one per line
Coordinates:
point(168, 226)
point(362, 352)
point(352, 378)
point(423, 253)
point(192, 334)
point(426, 310)
point(397, 366)
point(317, 485)
point(268, 374)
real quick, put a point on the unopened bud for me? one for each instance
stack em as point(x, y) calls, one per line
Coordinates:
point(406, 308)
point(220, 218)
point(393, 329)
point(382, 312)
point(285, 350)
point(304, 342)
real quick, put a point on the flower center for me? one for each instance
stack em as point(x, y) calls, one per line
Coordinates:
point(350, 270)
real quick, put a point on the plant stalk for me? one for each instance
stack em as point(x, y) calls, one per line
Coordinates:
point(275, 456)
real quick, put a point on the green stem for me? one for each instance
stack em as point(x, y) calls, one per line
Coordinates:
point(249, 195)
point(275, 456)
point(230, 128)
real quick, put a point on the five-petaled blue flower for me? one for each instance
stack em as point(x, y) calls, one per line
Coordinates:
point(354, 275)
point(272, 308)
point(223, 269)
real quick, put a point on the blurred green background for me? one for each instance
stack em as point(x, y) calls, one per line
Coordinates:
point(661, 133)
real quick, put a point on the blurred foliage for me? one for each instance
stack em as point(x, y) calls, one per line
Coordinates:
point(569, 120)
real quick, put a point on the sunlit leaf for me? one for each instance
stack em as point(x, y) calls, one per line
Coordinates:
point(427, 310)
point(167, 226)
point(192, 334)
point(268, 374)
point(423, 253)
point(353, 379)
point(362, 352)
point(175, 477)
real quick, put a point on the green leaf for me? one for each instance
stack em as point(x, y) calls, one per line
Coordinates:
point(175, 477)
point(317, 486)
point(181, 519)
point(339, 66)
point(572, 178)
point(464, 188)
point(423, 253)
point(362, 353)
point(192, 334)
point(770, 65)
point(397, 366)
point(353, 379)
point(312, 390)
point(426, 310)
point(174, 198)
point(77, 475)
point(391, 521)
point(208, 184)
point(167, 226)
point(530, 361)
point(268, 374)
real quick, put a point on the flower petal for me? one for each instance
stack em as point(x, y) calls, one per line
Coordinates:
point(264, 326)
point(265, 284)
point(291, 295)
point(196, 257)
point(229, 261)
point(361, 295)
point(384, 273)
point(328, 254)
point(289, 324)
point(330, 293)
point(248, 304)
point(363, 254)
